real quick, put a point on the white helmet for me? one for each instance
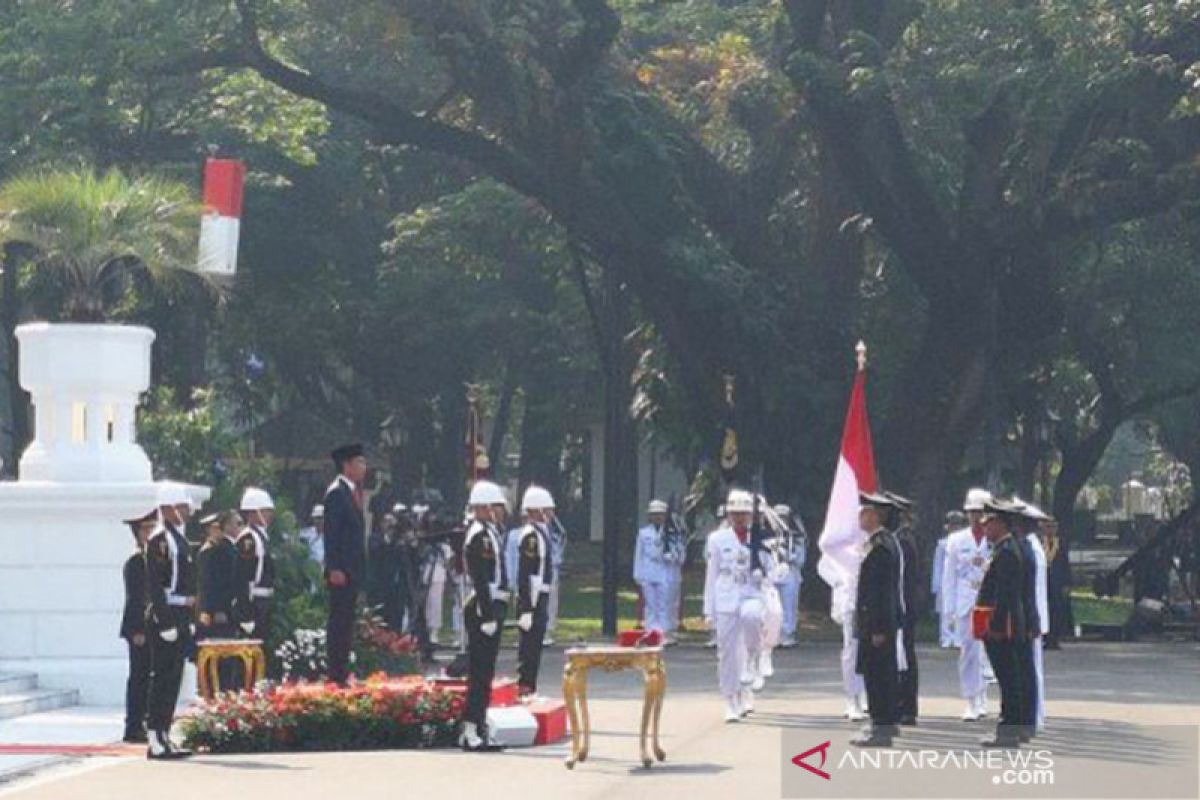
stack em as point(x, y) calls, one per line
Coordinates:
point(486, 493)
point(170, 493)
point(536, 498)
point(255, 499)
point(657, 507)
point(739, 501)
point(976, 499)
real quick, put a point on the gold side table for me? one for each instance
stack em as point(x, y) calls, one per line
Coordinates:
point(612, 658)
point(210, 652)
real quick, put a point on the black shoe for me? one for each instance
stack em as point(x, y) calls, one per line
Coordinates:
point(135, 737)
point(873, 739)
point(1005, 742)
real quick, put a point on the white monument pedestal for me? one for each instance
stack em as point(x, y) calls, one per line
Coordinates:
point(62, 540)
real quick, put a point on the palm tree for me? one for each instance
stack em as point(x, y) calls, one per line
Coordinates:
point(90, 230)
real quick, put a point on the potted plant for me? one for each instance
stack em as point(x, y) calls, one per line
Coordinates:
point(88, 235)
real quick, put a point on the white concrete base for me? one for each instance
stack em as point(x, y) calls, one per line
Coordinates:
point(62, 547)
point(512, 726)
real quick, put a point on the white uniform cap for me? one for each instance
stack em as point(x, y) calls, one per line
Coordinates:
point(486, 493)
point(739, 501)
point(657, 507)
point(1029, 510)
point(536, 498)
point(255, 499)
point(171, 494)
point(318, 511)
point(976, 498)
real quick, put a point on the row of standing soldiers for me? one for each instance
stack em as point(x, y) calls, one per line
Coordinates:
point(173, 598)
point(1006, 618)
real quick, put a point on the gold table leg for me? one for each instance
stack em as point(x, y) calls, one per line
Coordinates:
point(648, 702)
point(581, 687)
point(660, 692)
point(202, 678)
point(569, 674)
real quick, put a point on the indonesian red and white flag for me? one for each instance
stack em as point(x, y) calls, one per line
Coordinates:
point(841, 541)
point(221, 224)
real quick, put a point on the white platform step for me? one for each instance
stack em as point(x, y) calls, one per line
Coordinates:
point(19, 695)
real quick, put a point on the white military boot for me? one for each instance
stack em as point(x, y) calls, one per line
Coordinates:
point(733, 711)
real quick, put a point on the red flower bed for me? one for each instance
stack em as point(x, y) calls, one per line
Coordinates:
point(376, 714)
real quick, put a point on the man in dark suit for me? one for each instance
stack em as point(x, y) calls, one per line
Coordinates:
point(1002, 591)
point(906, 709)
point(1026, 526)
point(217, 570)
point(345, 559)
point(133, 631)
point(877, 620)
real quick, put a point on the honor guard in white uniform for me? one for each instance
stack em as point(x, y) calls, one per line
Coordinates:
point(256, 568)
point(791, 553)
point(535, 574)
point(485, 608)
point(955, 521)
point(674, 553)
point(967, 554)
point(650, 568)
point(733, 603)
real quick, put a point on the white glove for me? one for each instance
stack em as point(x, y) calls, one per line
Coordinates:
point(488, 628)
point(192, 629)
point(525, 621)
point(248, 627)
point(169, 634)
point(780, 573)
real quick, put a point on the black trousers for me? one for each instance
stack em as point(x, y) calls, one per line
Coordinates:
point(339, 631)
point(906, 705)
point(262, 619)
point(137, 685)
point(1024, 649)
point(529, 648)
point(481, 660)
point(166, 667)
point(878, 668)
point(1007, 666)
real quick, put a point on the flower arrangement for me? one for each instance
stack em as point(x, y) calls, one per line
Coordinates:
point(381, 712)
point(377, 648)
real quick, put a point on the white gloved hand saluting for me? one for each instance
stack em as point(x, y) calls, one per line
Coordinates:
point(168, 634)
point(488, 628)
point(525, 621)
point(248, 627)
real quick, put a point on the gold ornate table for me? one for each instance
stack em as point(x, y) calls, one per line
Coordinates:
point(612, 658)
point(210, 652)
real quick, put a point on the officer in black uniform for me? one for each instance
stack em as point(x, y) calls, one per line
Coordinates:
point(256, 568)
point(345, 555)
point(1027, 524)
point(906, 708)
point(877, 620)
point(133, 630)
point(484, 610)
point(535, 575)
point(171, 595)
point(216, 568)
point(1002, 591)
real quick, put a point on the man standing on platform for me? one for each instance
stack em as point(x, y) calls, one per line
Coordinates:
point(967, 553)
point(486, 605)
point(535, 573)
point(877, 621)
point(1003, 619)
point(171, 596)
point(345, 560)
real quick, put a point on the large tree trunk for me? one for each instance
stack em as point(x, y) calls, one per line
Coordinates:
point(18, 403)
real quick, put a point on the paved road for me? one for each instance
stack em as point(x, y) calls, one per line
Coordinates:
point(1097, 692)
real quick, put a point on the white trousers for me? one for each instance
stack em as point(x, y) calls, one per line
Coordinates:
point(1041, 683)
point(971, 659)
point(552, 608)
point(433, 601)
point(674, 586)
point(772, 616)
point(789, 598)
point(852, 682)
point(739, 642)
point(654, 613)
